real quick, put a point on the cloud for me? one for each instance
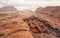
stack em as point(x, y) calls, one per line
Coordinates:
point(1, 5)
point(29, 4)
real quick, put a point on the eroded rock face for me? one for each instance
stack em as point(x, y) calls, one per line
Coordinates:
point(45, 35)
point(14, 28)
point(41, 28)
point(21, 34)
point(51, 14)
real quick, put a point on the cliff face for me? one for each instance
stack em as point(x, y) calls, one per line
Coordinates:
point(52, 14)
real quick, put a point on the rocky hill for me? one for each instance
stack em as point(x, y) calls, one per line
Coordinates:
point(51, 13)
point(8, 8)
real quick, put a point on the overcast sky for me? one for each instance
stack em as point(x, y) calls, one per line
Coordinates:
point(29, 4)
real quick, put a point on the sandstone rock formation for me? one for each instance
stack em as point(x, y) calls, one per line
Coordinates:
point(12, 24)
point(14, 28)
point(51, 14)
point(44, 35)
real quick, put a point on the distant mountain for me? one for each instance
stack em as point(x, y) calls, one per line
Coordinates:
point(52, 9)
point(8, 8)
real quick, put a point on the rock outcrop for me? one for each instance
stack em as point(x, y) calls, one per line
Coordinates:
point(51, 14)
point(14, 28)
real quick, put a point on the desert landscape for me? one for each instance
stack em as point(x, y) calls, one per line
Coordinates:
point(41, 23)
